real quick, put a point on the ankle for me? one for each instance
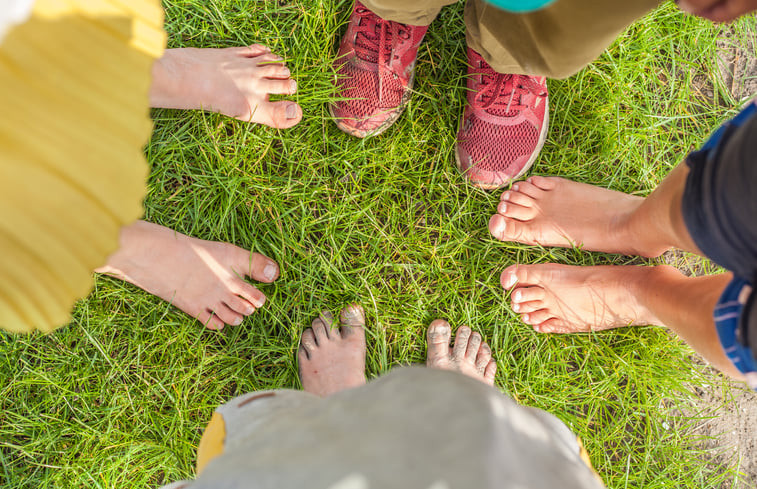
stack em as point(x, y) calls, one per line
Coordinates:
point(137, 242)
point(170, 86)
point(645, 287)
point(632, 228)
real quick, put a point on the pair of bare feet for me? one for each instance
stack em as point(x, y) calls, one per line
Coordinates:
point(551, 211)
point(332, 359)
point(206, 279)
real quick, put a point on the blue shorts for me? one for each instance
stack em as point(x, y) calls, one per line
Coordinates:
point(732, 332)
point(719, 207)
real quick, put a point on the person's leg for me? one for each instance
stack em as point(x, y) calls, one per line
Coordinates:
point(375, 65)
point(205, 279)
point(236, 82)
point(704, 206)
point(568, 299)
point(551, 211)
point(510, 55)
point(556, 41)
point(419, 13)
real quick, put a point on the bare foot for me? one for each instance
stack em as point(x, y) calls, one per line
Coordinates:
point(567, 299)
point(202, 278)
point(552, 211)
point(332, 359)
point(236, 82)
point(470, 356)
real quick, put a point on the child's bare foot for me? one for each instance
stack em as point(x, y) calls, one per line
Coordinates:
point(567, 299)
point(551, 211)
point(236, 82)
point(470, 355)
point(332, 359)
point(202, 278)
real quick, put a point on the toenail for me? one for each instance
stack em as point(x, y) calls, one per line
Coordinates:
point(291, 111)
point(285, 72)
point(271, 269)
point(292, 86)
point(515, 187)
point(525, 318)
point(506, 196)
point(511, 279)
point(249, 311)
point(236, 322)
point(516, 307)
point(517, 296)
point(502, 208)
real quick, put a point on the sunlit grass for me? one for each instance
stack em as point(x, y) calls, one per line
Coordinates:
point(120, 396)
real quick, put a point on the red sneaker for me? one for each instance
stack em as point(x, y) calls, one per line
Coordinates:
point(504, 124)
point(375, 67)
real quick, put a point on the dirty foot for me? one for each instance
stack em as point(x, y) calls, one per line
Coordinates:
point(470, 355)
point(568, 299)
point(332, 359)
point(552, 211)
point(236, 82)
point(205, 279)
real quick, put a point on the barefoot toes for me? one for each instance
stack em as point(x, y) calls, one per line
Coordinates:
point(308, 341)
point(474, 343)
point(461, 343)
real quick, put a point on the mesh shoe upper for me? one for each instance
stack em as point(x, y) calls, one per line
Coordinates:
point(375, 71)
point(504, 124)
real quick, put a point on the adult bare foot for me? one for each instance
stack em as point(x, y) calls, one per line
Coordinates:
point(470, 356)
point(202, 278)
point(552, 211)
point(236, 82)
point(568, 299)
point(332, 359)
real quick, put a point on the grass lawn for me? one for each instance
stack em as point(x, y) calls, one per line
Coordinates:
point(119, 397)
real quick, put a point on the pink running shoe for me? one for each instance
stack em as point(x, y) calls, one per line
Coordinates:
point(504, 124)
point(375, 67)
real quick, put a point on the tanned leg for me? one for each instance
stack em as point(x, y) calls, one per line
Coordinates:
point(567, 299)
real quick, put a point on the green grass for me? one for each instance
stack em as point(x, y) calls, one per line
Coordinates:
point(120, 396)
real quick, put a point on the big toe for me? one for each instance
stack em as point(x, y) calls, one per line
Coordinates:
point(281, 115)
point(262, 268)
point(438, 336)
point(352, 319)
point(514, 274)
point(352, 315)
point(506, 229)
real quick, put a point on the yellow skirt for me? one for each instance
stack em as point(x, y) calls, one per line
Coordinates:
point(74, 82)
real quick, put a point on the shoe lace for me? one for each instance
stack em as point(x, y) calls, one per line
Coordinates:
point(376, 39)
point(506, 91)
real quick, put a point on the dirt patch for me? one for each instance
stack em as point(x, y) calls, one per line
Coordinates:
point(737, 64)
point(727, 429)
point(688, 264)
